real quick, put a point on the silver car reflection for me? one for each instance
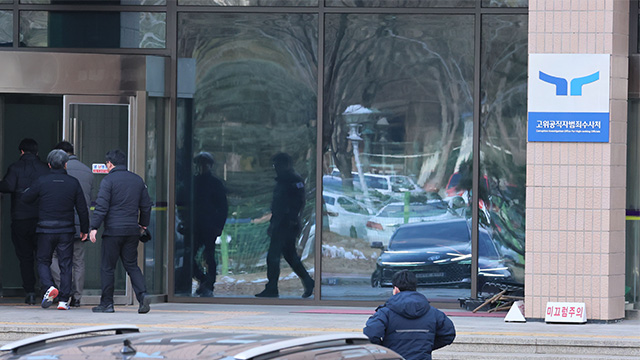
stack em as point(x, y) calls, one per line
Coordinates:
point(381, 226)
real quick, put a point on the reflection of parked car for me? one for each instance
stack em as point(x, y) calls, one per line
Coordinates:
point(454, 181)
point(346, 216)
point(381, 227)
point(453, 194)
point(440, 254)
point(385, 184)
point(128, 343)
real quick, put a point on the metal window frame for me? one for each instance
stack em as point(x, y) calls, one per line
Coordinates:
point(172, 10)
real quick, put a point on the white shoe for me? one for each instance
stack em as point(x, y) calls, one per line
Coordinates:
point(63, 305)
point(48, 297)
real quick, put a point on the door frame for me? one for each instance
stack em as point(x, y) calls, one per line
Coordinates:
point(135, 159)
point(99, 76)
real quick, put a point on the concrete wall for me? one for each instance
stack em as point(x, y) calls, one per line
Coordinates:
point(576, 191)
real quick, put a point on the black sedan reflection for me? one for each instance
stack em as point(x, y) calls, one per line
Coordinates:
point(440, 255)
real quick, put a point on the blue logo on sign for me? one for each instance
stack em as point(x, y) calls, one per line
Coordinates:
point(576, 84)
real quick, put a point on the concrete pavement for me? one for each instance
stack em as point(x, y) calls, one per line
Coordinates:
point(19, 321)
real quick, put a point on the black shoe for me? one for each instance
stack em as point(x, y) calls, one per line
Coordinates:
point(74, 302)
point(308, 288)
point(144, 305)
point(205, 293)
point(268, 294)
point(204, 290)
point(103, 309)
point(30, 299)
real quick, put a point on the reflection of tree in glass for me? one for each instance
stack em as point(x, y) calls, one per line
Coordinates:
point(251, 2)
point(416, 70)
point(503, 131)
point(401, 3)
point(255, 95)
point(504, 85)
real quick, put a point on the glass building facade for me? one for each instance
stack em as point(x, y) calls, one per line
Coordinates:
point(405, 121)
point(377, 111)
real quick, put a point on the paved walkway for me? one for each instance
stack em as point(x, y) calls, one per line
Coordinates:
point(19, 320)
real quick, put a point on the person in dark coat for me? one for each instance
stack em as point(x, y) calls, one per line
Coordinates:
point(24, 216)
point(286, 208)
point(84, 175)
point(124, 206)
point(58, 194)
point(210, 214)
point(407, 323)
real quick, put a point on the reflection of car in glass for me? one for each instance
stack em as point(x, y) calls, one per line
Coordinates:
point(453, 182)
point(453, 194)
point(440, 254)
point(346, 216)
point(100, 342)
point(386, 221)
point(385, 184)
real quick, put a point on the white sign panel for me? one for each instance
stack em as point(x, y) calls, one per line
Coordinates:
point(565, 312)
point(568, 97)
point(99, 169)
point(516, 313)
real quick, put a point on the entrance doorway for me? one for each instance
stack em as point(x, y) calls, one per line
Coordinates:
point(22, 116)
point(95, 125)
point(98, 102)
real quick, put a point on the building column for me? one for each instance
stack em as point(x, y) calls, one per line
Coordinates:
point(576, 192)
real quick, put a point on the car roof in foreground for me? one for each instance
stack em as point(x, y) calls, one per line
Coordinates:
point(125, 341)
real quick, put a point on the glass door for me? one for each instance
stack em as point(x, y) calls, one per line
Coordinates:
point(95, 125)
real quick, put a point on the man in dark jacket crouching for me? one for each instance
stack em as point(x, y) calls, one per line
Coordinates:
point(58, 195)
point(407, 324)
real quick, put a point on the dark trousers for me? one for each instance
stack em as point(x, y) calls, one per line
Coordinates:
point(62, 244)
point(283, 244)
point(124, 248)
point(208, 240)
point(23, 236)
point(77, 278)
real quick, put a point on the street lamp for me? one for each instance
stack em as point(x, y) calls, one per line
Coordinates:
point(355, 116)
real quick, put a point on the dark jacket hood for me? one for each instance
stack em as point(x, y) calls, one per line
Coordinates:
point(288, 176)
point(409, 304)
point(119, 168)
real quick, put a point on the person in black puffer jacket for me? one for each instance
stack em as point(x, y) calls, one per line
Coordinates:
point(407, 323)
point(24, 216)
point(58, 194)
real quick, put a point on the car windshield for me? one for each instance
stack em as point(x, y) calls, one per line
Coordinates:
point(415, 210)
point(329, 200)
point(376, 182)
point(450, 234)
point(453, 181)
point(351, 206)
point(486, 247)
point(402, 182)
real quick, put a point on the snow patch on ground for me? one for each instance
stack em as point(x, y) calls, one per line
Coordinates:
point(339, 252)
